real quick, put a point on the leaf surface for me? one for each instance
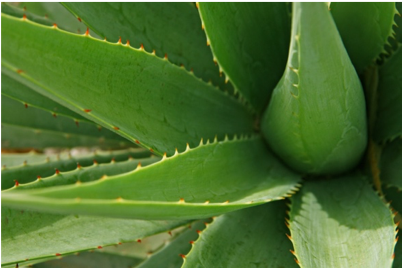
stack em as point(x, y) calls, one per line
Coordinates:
point(27, 172)
point(250, 42)
point(388, 124)
point(19, 137)
point(200, 182)
point(170, 255)
point(28, 236)
point(168, 28)
point(253, 237)
point(330, 220)
point(17, 114)
point(140, 96)
point(16, 90)
point(91, 260)
point(364, 28)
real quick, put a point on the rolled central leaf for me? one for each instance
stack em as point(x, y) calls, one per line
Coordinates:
point(316, 119)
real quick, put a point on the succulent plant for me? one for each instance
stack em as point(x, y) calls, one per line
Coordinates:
point(272, 130)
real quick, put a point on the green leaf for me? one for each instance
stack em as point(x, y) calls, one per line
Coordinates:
point(208, 180)
point(250, 42)
point(22, 92)
point(14, 11)
point(17, 114)
point(253, 237)
point(170, 255)
point(391, 163)
point(398, 256)
point(394, 196)
point(28, 236)
point(55, 13)
point(341, 223)
point(389, 111)
point(316, 119)
point(28, 172)
point(364, 28)
point(21, 137)
point(17, 159)
point(168, 28)
point(91, 260)
point(165, 107)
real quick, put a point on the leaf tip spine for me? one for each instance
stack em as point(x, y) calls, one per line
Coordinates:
point(16, 183)
point(142, 48)
point(139, 166)
point(24, 17)
point(38, 178)
point(128, 43)
point(182, 256)
point(55, 25)
point(57, 172)
point(119, 41)
point(181, 201)
point(164, 156)
point(166, 56)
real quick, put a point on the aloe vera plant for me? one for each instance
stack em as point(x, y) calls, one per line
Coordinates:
point(232, 134)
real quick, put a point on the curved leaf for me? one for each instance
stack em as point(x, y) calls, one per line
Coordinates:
point(316, 118)
point(28, 236)
point(29, 172)
point(21, 92)
point(140, 96)
point(208, 180)
point(17, 159)
point(391, 163)
point(168, 28)
point(330, 220)
point(17, 114)
point(250, 42)
point(388, 123)
point(253, 237)
point(91, 260)
point(364, 28)
point(170, 255)
point(54, 13)
point(21, 137)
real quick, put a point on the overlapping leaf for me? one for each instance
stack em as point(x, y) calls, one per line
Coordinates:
point(208, 180)
point(168, 28)
point(250, 43)
point(253, 237)
point(364, 28)
point(140, 96)
point(389, 110)
point(28, 172)
point(19, 137)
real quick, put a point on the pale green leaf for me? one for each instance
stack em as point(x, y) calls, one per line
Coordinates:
point(341, 222)
point(253, 237)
